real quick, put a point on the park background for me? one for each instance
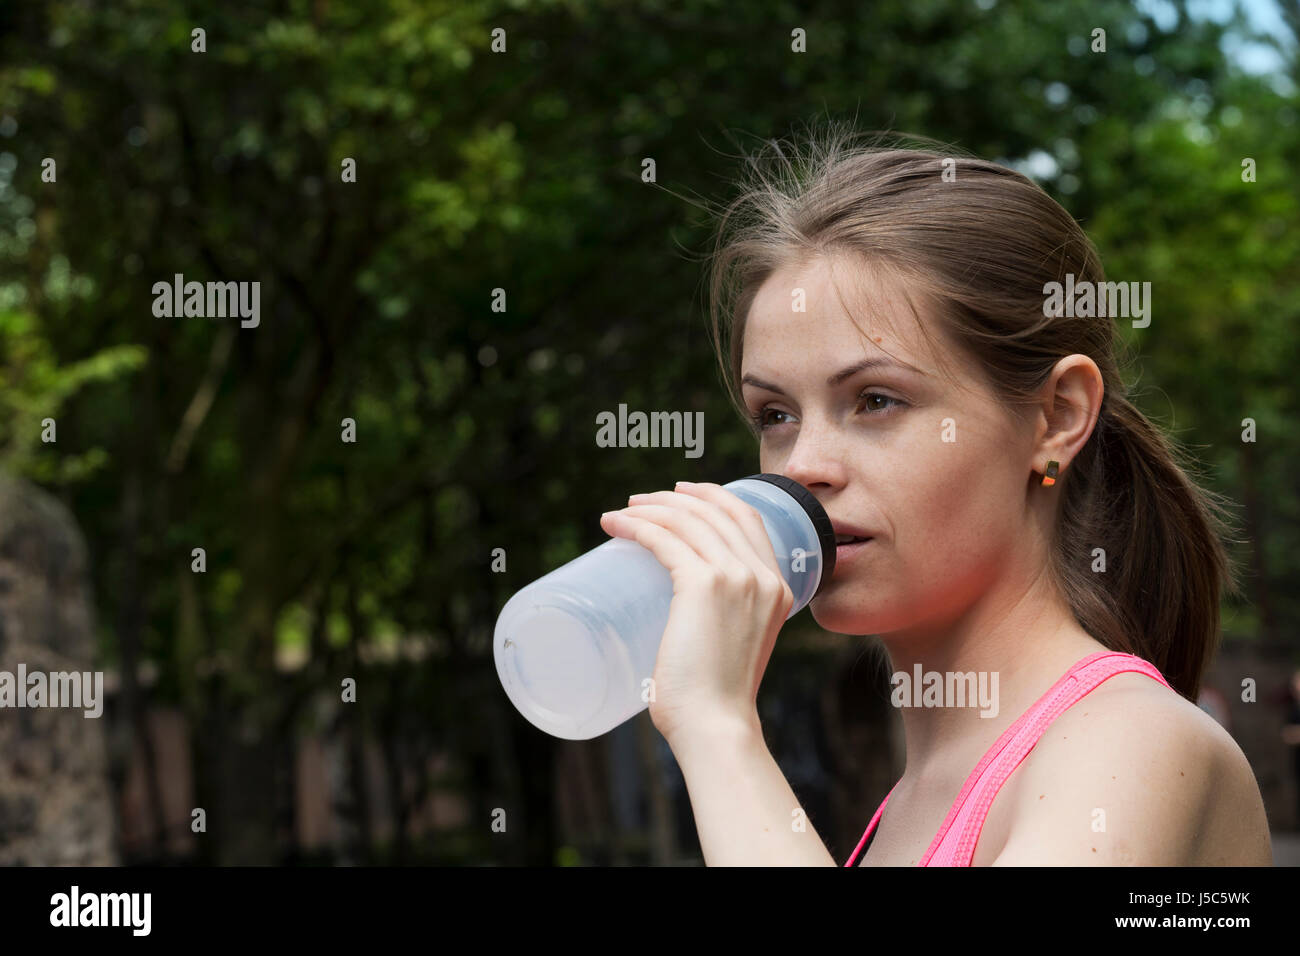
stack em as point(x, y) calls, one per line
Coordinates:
point(521, 170)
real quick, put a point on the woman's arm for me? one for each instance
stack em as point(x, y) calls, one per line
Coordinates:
point(729, 602)
point(745, 812)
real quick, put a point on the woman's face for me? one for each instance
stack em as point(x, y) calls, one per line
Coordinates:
point(934, 474)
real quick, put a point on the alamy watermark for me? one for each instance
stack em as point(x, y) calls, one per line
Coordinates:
point(1121, 300)
point(130, 910)
point(947, 689)
point(53, 689)
point(655, 430)
point(214, 300)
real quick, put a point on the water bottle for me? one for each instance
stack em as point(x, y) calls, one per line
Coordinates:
point(575, 650)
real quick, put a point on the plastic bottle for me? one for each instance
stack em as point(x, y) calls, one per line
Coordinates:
point(575, 649)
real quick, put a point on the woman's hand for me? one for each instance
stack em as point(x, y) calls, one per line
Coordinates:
point(729, 602)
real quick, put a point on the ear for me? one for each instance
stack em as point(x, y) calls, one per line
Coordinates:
point(1071, 403)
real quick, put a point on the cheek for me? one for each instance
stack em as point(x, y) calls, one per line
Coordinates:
point(956, 501)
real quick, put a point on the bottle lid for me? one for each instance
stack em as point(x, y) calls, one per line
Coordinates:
point(820, 519)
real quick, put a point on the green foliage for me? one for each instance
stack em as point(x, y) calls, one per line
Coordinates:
point(479, 171)
point(34, 387)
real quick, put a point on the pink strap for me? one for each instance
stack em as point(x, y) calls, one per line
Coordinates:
point(954, 844)
point(871, 826)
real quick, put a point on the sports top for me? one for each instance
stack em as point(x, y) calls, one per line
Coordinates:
point(954, 844)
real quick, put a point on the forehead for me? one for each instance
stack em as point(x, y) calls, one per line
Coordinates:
point(852, 310)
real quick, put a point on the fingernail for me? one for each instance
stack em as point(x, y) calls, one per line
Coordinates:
point(688, 484)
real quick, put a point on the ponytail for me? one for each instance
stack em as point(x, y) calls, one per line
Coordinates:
point(1153, 588)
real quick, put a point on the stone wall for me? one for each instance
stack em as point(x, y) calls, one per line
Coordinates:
point(55, 804)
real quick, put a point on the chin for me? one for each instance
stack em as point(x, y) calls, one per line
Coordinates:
point(838, 618)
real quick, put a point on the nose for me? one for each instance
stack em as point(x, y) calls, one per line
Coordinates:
point(816, 460)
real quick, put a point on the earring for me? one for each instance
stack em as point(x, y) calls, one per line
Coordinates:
point(1049, 477)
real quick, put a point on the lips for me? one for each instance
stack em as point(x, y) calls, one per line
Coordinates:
point(846, 533)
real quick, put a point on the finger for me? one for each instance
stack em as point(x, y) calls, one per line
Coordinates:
point(669, 549)
point(745, 516)
point(760, 567)
point(741, 544)
point(691, 528)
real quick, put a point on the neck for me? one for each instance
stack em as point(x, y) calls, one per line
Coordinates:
point(1018, 639)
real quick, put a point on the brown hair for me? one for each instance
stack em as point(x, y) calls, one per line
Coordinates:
point(982, 247)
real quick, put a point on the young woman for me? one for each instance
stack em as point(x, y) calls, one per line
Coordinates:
point(882, 317)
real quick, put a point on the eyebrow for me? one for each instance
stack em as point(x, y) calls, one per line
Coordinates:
point(841, 375)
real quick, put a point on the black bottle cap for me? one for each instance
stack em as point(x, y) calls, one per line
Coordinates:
point(821, 521)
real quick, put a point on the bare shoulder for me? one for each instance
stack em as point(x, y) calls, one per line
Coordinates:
point(1136, 775)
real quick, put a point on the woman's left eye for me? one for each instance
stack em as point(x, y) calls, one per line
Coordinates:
point(864, 402)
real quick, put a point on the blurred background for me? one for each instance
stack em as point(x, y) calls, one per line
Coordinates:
point(325, 559)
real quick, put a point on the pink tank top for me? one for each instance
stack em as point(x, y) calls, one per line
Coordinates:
point(954, 844)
